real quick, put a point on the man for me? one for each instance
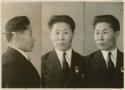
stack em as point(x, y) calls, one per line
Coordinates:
point(105, 66)
point(62, 67)
point(17, 70)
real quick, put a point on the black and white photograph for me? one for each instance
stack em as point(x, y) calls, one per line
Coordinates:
point(62, 44)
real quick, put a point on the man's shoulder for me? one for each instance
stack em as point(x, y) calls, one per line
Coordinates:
point(77, 58)
point(11, 56)
point(8, 57)
point(93, 57)
point(76, 54)
point(46, 55)
point(94, 54)
point(120, 52)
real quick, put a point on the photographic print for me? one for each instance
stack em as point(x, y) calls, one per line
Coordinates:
point(62, 44)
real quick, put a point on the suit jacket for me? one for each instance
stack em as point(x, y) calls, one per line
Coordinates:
point(17, 71)
point(52, 75)
point(97, 71)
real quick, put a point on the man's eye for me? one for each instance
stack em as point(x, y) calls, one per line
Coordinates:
point(97, 33)
point(56, 32)
point(65, 32)
point(105, 32)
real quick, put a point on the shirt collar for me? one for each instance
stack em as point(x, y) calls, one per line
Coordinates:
point(22, 52)
point(68, 55)
point(113, 55)
point(68, 52)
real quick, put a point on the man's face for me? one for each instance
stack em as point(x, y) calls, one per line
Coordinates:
point(61, 36)
point(105, 37)
point(25, 40)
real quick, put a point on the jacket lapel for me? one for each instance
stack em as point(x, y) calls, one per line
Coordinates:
point(119, 59)
point(54, 65)
point(74, 62)
point(71, 69)
point(100, 63)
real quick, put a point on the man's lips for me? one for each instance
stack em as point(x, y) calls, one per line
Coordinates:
point(60, 43)
point(100, 44)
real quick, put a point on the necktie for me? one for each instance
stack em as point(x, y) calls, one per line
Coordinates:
point(65, 67)
point(111, 67)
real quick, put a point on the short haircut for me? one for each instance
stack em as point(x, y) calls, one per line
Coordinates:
point(110, 19)
point(62, 18)
point(16, 24)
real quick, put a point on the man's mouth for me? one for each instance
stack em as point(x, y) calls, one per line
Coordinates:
point(101, 44)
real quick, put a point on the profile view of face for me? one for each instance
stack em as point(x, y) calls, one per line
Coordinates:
point(104, 36)
point(26, 40)
point(61, 36)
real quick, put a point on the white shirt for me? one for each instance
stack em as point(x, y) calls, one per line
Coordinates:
point(22, 52)
point(68, 56)
point(113, 56)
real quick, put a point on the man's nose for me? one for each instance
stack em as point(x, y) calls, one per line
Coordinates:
point(61, 36)
point(100, 37)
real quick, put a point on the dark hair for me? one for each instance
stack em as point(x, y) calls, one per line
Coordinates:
point(110, 19)
point(16, 24)
point(62, 18)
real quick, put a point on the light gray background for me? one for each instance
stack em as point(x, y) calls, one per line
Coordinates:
point(82, 13)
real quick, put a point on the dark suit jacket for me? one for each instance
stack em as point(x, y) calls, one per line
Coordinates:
point(97, 71)
point(17, 71)
point(52, 75)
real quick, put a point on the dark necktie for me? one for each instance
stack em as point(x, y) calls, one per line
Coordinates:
point(65, 67)
point(111, 67)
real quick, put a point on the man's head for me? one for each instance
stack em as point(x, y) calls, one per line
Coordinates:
point(19, 33)
point(62, 31)
point(107, 29)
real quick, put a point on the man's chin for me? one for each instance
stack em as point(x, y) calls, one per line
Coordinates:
point(105, 49)
point(62, 49)
point(102, 48)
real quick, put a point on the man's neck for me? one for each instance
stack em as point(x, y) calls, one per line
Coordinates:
point(111, 49)
point(19, 50)
point(69, 49)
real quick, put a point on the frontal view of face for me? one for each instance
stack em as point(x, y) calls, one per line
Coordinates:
point(61, 36)
point(104, 36)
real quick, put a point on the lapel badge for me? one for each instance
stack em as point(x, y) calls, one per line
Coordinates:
point(122, 69)
point(77, 69)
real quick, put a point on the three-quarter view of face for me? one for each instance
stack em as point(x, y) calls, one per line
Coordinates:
point(105, 37)
point(26, 40)
point(61, 36)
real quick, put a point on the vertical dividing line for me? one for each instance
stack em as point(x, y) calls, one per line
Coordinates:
point(40, 36)
point(123, 19)
point(2, 31)
point(1, 35)
point(84, 28)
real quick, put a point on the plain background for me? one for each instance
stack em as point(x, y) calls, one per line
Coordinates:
point(82, 13)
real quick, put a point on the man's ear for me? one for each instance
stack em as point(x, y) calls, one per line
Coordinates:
point(73, 35)
point(117, 33)
point(14, 35)
point(50, 36)
point(17, 36)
